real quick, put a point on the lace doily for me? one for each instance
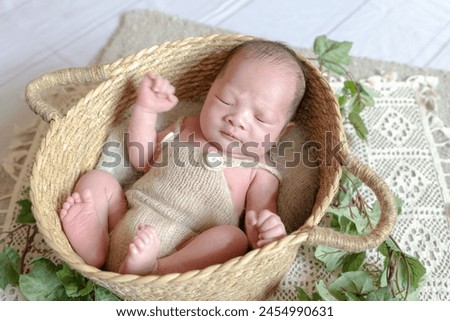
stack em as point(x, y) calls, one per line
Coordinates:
point(408, 146)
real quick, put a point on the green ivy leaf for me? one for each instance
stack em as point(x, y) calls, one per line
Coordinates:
point(323, 292)
point(390, 244)
point(302, 295)
point(356, 282)
point(341, 211)
point(371, 220)
point(102, 294)
point(361, 96)
point(333, 55)
point(42, 283)
point(350, 87)
point(74, 283)
point(350, 182)
point(408, 272)
point(368, 94)
point(413, 295)
point(9, 267)
point(381, 294)
point(343, 197)
point(346, 226)
point(348, 296)
point(355, 105)
point(353, 261)
point(357, 122)
point(416, 270)
point(342, 100)
point(331, 257)
point(321, 45)
point(342, 219)
point(25, 215)
point(351, 221)
point(383, 249)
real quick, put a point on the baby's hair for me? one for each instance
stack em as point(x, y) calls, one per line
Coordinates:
point(278, 53)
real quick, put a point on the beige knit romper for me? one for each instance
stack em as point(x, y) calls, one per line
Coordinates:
point(182, 195)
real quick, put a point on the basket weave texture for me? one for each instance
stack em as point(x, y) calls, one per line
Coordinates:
point(74, 143)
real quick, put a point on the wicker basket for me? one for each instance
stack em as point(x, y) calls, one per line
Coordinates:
point(74, 143)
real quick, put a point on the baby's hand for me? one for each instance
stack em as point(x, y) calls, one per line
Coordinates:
point(156, 94)
point(263, 228)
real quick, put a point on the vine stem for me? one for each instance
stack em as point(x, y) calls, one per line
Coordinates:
point(31, 232)
point(408, 272)
point(29, 240)
point(10, 234)
point(363, 206)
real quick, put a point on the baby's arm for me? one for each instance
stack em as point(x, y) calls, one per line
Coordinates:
point(155, 95)
point(262, 224)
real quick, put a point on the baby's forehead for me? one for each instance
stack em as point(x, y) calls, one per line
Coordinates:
point(275, 58)
point(281, 66)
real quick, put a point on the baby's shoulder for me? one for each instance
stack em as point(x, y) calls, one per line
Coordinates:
point(190, 123)
point(191, 126)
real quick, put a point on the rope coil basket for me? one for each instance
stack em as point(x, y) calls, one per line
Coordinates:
point(74, 144)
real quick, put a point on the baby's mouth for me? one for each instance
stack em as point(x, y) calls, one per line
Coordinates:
point(230, 136)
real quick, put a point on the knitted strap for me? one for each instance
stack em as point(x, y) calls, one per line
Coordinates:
point(173, 134)
point(215, 161)
point(271, 169)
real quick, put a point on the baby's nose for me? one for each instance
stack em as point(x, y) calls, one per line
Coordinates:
point(237, 120)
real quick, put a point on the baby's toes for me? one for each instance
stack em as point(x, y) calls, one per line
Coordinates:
point(139, 243)
point(69, 201)
point(134, 250)
point(149, 233)
point(145, 238)
point(76, 197)
point(67, 205)
point(86, 196)
point(146, 230)
point(63, 212)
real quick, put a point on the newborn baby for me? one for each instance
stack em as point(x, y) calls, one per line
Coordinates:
point(201, 174)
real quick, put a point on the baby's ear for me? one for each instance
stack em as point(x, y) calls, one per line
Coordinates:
point(287, 128)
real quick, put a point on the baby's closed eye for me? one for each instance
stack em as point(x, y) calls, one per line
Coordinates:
point(261, 118)
point(223, 101)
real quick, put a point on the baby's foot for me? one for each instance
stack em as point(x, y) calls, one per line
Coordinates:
point(85, 232)
point(142, 253)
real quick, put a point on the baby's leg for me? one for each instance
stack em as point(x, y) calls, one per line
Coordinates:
point(213, 246)
point(87, 216)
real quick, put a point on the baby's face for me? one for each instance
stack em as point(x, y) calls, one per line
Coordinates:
point(245, 111)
